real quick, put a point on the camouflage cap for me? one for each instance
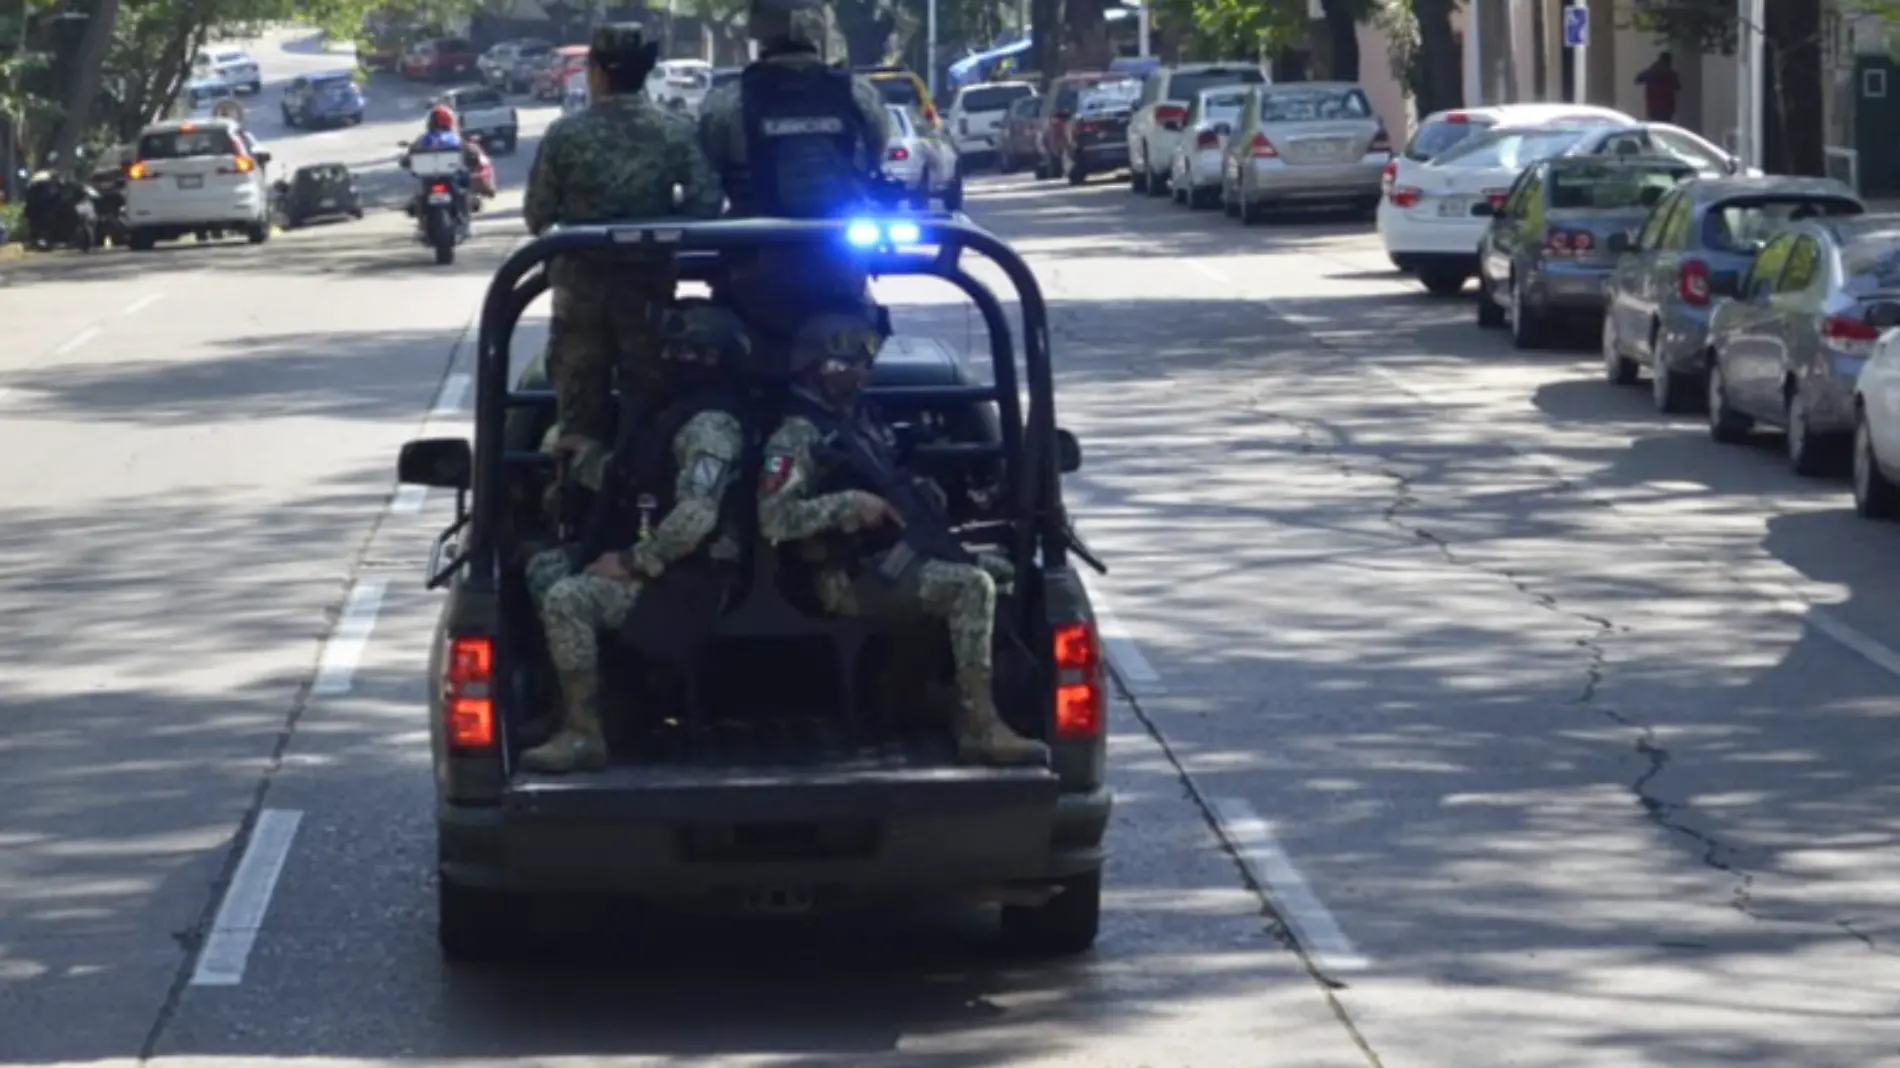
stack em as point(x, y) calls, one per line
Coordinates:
point(706, 329)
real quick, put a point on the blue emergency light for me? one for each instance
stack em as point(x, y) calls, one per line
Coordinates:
point(868, 233)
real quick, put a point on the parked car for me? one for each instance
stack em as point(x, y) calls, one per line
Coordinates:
point(1696, 244)
point(319, 191)
point(203, 178)
point(1194, 177)
point(1157, 124)
point(233, 66)
point(1659, 139)
point(904, 88)
point(1405, 223)
point(681, 84)
point(1786, 350)
point(923, 160)
point(977, 112)
point(1110, 97)
point(511, 65)
point(328, 99)
point(1303, 144)
point(1876, 462)
point(1018, 140)
point(440, 59)
point(483, 112)
point(550, 84)
point(207, 98)
point(1546, 254)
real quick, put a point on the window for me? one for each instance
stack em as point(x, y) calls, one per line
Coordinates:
point(1024, 108)
point(1676, 230)
point(899, 91)
point(900, 121)
point(1804, 266)
point(1108, 96)
point(1186, 85)
point(185, 144)
point(1681, 145)
point(1221, 107)
point(1623, 144)
point(1650, 236)
point(1528, 188)
point(1295, 104)
point(1601, 186)
point(1744, 225)
point(1768, 265)
point(1870, 258)
point(1435, 137)
point(472, 99)
point(985, 98)
point(1514, 151)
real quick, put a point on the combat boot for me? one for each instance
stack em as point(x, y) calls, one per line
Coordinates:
point(983, 737)
point(579, 744)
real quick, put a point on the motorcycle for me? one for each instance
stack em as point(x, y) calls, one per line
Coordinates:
point(60, 211)
point(441, 204)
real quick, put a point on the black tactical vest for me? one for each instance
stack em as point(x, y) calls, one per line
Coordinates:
point(803, 133)
point(640, 483)
point(834, 477)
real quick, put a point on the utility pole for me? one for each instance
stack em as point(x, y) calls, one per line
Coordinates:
point(1748, 92)
point(930, 48)
point(1474, 55)
point(1141, 28)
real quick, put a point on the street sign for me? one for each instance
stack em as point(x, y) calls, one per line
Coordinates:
point(1576, 26)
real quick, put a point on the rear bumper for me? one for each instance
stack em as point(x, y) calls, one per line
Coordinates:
point(1568, 287)
point(958, 830)
point(1103, 155)
point(1267, 179)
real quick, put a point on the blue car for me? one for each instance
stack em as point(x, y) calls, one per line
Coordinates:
point(314, 101)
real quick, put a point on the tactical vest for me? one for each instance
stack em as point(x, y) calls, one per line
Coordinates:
point(832, 477)
point(803, 133)
point(639, 486)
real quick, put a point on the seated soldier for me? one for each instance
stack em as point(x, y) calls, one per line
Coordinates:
point(862, 565)
point(678, 470)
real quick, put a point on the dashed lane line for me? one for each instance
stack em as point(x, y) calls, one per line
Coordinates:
point(1272, 870)
point(343, 649)
point(77, 340)
point(227, 949)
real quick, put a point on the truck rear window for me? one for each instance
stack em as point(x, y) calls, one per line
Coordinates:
point(1187, 85)
point(984, 98)
point(474, 99)
point(185, 144)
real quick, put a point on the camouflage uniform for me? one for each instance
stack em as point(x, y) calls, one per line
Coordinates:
point(618, 159)
point(576, 607)
point(962, 595)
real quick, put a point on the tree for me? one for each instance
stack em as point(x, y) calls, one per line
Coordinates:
point(1426, 56)
point(1342, 31)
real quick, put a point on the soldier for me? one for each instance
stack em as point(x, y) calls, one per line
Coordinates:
point(618, 159)
point(853, 535)
point(680, 468)
point(795, 138)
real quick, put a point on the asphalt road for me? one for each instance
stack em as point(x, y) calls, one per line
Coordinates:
point(1551, 733)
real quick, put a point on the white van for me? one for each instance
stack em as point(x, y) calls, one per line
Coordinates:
point(190, 177)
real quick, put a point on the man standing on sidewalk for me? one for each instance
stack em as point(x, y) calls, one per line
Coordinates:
point(1661, 87)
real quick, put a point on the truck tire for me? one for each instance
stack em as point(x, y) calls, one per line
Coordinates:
point(1064, 926)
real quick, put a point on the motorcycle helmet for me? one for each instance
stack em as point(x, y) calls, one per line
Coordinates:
point(441, 118)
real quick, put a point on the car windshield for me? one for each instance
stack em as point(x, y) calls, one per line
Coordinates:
point(1611, 186)
point(1511, 150)
point(1870, 253)
point(899, 91)
point(983, 98)
point(1186, 85)
point(1433, 138)
point(1745, 225)
point(185, 144)
point(1223, 106)
point(1313, 105)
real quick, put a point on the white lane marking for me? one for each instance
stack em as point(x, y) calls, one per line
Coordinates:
point(343, 649)
point(77, 340)
point(226, 951)
point(142, 303)
point(408, 500)
point(1208, 272)
point(1124, 655)
point(1312, 924)
point(449, 401)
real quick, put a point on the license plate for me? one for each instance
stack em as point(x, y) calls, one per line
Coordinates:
point(1326, 149)
point(191, 181)
point(438, 198)
point(1454, 206)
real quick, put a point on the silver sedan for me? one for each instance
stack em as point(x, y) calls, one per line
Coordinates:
point(1304, 144)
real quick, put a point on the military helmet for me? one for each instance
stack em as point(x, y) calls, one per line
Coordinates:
point(617, 46)
point(704, 334)
point(834, 338)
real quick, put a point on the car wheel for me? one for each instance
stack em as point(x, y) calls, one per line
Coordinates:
point(1874, 496)
point(1072, 169)
point(1490, 316)
point(1137, 178)
point(1527, 327)
point(953, 196)
point(1810, 454)
point(1200, 199)
point(1443, 281)
point(258, 232)
point(140, 241)
point(1229, 205)
point(1672, 391)
point(1064, 926)
point(1618, 369)
point(1725, 424)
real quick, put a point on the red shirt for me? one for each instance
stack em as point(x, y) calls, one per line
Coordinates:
point(1660, 86)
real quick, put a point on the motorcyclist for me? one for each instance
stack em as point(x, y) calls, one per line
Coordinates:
point(793, 137)
point(439, 135)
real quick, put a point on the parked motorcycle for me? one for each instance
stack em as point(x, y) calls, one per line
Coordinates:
point(441, 204)
point(60, 211)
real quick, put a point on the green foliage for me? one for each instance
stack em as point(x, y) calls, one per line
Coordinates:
point(1236, 29)
point(13, 221)
point(1406, 54)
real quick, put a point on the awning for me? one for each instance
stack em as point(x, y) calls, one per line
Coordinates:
point(971, 67)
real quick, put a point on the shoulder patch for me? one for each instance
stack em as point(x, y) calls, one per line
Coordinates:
point(774, 474)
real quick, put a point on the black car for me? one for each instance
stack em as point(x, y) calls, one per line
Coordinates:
point(760, 770)
point(319, 191)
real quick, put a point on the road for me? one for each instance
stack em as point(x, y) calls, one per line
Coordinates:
point(1473, 714)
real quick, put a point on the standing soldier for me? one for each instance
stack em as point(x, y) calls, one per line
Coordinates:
point(853, 536)
point(795, 138)
point(619, 159)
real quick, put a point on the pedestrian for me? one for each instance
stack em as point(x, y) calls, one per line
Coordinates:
point(1661, 86)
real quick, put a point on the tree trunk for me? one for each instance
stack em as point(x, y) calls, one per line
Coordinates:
point(1343, 34)
point(1045, 51)
point(1441, 67)
point(867, 32)
point(85, 83)
point(1795, 123)
point(1089, 31)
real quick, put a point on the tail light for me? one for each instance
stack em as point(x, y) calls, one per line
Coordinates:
point(439, 187)
point(1405, 196)
point(238, 165)
point(468, 702)
point(1497, 197)
point(1569, 242)
point(1079, 698)
point(1261, 148)
point(1207, 139)
point(1458, 117)
point(1084, 126)
point(1388, 174)
point(1849, 334)
point(899, 154)
point(138, 172)
point(1167, 113)
point(1381, 142)
point(1693, 282)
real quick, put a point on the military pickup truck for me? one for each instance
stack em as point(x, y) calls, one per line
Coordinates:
point(781, 764)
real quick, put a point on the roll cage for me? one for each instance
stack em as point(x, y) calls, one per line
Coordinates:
point(1031, 455)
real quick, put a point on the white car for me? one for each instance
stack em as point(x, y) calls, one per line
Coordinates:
point(575, 94)
point(1877, 426)
point(206, 99)
point(681, 84)
point(975, 117)
point(1432, 235)
point(1158, 123)
point(1194, 177)
point(234, 66)
point(924, 162)
point(202, 178)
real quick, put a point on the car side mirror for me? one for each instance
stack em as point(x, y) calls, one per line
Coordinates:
point(1621, 243)
point(444, 463)
point(264, 158)
point(1068, 452)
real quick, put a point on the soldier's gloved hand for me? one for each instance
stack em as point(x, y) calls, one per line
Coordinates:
point(999, 569)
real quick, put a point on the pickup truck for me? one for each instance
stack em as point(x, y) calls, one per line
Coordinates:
point(976, 115)
point(485, 112)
